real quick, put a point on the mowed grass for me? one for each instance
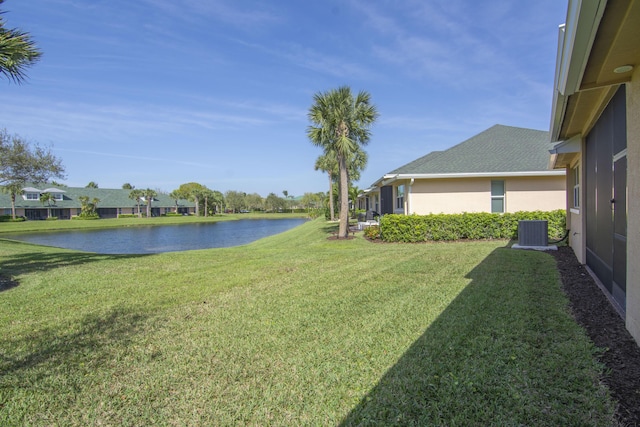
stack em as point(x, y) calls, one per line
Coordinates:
point(294, 329)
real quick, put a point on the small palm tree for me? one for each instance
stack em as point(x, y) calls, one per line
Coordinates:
point(13, 189)
point(137, 196)
point(327, 163)
point(47, 198)
point(175, 195)
point(148, 195)
point(340, 125)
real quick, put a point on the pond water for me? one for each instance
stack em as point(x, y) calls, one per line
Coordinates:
point(162, 238)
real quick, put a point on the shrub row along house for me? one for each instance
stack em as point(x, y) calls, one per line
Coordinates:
point(66, 202)
point(503, 169)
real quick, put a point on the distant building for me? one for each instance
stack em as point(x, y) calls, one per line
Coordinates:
point(66, 203)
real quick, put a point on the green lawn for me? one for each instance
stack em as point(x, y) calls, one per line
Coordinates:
point(294, 330)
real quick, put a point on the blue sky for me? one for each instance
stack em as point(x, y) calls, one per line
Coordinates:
point(162, 92)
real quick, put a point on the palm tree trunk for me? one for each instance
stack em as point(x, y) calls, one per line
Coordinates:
point(343, 228)
point(13, 205)
point(332, 216)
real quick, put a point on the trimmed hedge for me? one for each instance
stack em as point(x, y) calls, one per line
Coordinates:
point(9, 218)
point(473, 226)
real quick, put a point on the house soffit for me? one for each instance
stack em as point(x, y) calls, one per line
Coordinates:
point(616, 44)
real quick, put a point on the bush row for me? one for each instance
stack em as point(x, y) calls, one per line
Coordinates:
point(9, 218)
point(475, 226)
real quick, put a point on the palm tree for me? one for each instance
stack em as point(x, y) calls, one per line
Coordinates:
point(175, 195)
point(137, 196)
point(17, 52)
point(47, 198)
point(92, 184)
point(353, 196)
point(148, 195)
point(340, 125)
point(13, 189)
point(327, 163)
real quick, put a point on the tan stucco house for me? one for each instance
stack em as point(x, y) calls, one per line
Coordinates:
point(503, 169)
point(595, 128)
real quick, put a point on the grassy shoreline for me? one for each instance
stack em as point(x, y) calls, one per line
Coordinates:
point(294, 329)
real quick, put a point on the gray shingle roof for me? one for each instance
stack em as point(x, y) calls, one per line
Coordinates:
point(496, 150)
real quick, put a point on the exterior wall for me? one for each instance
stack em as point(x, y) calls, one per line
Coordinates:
point(633, 207)
point(474, 195)
point(450, 196)
point(546, 193)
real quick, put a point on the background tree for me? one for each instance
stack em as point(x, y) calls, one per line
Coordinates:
point(14, 189)
point(192, 191)
point(17, 52)
point(137, 196)
point(148, 195)
point(310, 201)
point(353, 198)
point(207, 195)
point(357, 163)
point(327, 163)
point(340, 124)
point(235, 200)
point(127, 186)
point(274, 203)
point(21, 163)
point(176, 196)
point(92, 184)
point(217, 201)
point(48, 199)
point(254, 202)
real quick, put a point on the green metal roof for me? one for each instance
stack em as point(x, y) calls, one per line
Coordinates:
point(109, 198)
point(496, 150)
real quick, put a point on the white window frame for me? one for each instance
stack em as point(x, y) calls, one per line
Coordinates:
point(576, 187)
point(400, 197)
point(32, 196)
point(501, 197)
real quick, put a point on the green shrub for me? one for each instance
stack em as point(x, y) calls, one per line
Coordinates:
point(473, 226)
point(52, 218)
point(128, 216)
point(9, 218)
point(372, 232)
point(85, 217)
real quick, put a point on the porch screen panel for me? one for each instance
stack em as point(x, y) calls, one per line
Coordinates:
point(607, 137)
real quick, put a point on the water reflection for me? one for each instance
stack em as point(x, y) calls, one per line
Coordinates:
point(164, 238)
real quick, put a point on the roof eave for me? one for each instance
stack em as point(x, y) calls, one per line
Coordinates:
point(399, 177)
point(575, 40)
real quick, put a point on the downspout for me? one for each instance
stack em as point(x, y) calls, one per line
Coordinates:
point(409, 192)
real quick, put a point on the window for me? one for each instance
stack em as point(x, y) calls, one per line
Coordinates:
point(400, 197)
point(576, 187)
point(32, 196)
point(58, 196)
point(497, 196)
